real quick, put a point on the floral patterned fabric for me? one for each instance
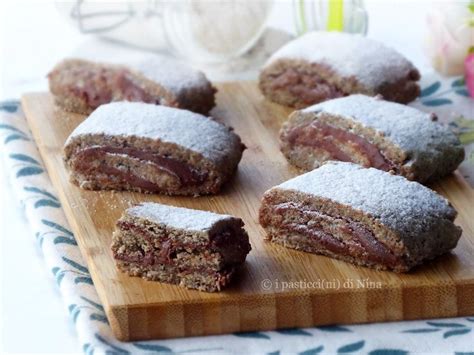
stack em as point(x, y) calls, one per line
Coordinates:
point(449, 99)
point(62, 257)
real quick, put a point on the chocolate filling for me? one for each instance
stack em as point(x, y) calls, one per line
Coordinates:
point(99, 85)
point(228, 242)
point(323, 136)
point(231, 244)
point(308, 88)
point(184, 173)
point(361, 244)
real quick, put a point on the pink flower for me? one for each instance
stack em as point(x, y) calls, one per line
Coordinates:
point(450, 35)
point(469, 72)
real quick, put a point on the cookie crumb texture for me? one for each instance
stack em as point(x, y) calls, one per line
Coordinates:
point(191, 248)
point(319, 66)
point(362, 216)
point(151, 149)
point(373, 133)
point(81, 86)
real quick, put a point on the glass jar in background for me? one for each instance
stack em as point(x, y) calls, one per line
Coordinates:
point(210, 31)
point(197, 30)
point(330, 15)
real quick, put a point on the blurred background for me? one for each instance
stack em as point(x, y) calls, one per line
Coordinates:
point(227, 39)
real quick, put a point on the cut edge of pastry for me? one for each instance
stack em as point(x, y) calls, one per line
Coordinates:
point(204, 176)
point(80, 86)
point(321, 226)
point(298, 83)
point(205, 260)
point(368, 147)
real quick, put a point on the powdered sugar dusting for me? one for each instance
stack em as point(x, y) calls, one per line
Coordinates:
point(406, 207)
point(184, 128)
point(428, 144)
point(171, 74)
point(371, 62)
point(178, 217)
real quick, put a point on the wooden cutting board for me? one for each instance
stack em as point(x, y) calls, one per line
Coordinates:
point(278, 287)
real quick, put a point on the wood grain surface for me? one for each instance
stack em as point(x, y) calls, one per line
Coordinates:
point(278, 287)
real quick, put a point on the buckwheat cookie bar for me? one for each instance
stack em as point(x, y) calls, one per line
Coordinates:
point(153, 149)
point(360, 215)
point(374, 133)
point(81, 86)
point(324, 65)
point(195, 249)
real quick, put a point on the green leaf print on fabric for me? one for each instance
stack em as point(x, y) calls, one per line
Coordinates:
point(462, 92)
point(153, 347)
point(333, 328)
point(432, 96)
point(449, 329)
point(64, 240)
point(456, 332)
point(9, 106)
point(99, 317)
point(254, 335)
point(83, 280)
point(421, 330)
point(30, 166)
point(94, 304)
point(13, 133)
point(44, 198)
point(430, 90)
point(67, 238)
point(350, 348)
point(29, 170)
point(294, 331)
point(10, 127)
point(88, 349)
point(446, 325)
point(14, 137)
point(312, 351)
point(460, 82)
point(24, 158)
point(40, 191)
point(75, 265)
point(388, 352)
point(74, 311)
point(47, 203)
point(437, 102)
point(78, 269)
point(57, 227)
point(116, 349)
point(58, 275)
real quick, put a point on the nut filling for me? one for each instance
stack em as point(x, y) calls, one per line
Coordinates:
point(100, 85)
point(228, 246)
point(336, 234)
point(191, 248)
point(90, 161)
point(308, 88)
point(332, 139)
